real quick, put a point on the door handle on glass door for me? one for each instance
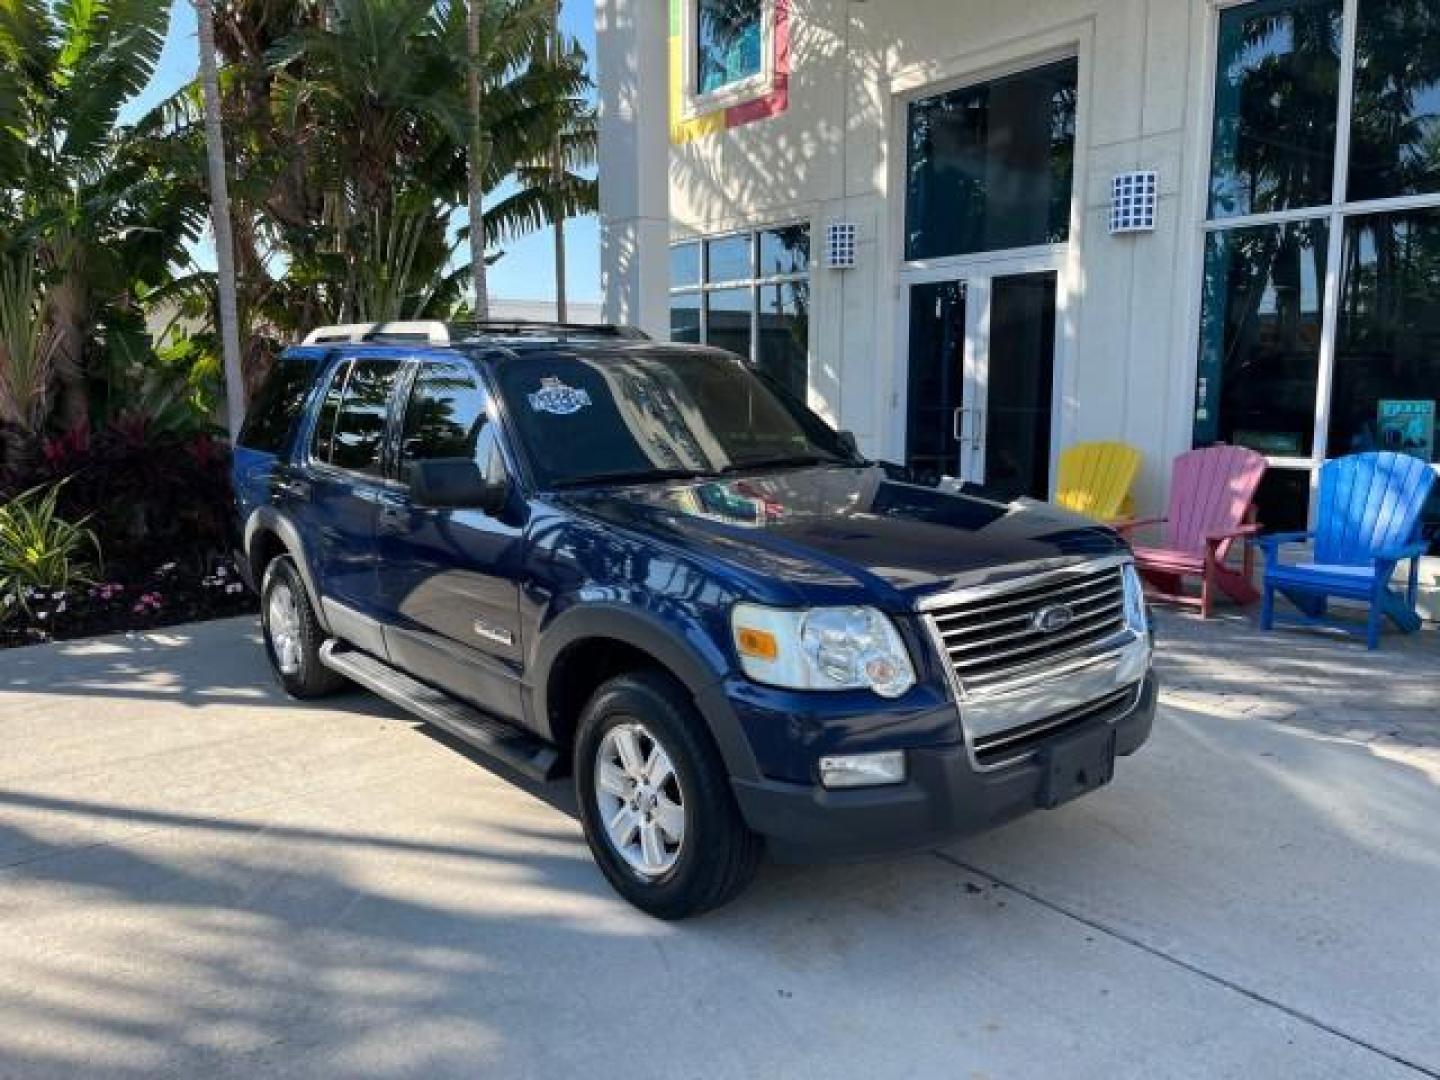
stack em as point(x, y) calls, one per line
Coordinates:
point(957, 424)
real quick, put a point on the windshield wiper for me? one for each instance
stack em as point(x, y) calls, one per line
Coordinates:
point(797, 461)
point(627, 476)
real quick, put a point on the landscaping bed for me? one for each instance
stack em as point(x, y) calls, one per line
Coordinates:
point(168, 595)
point(125, 528)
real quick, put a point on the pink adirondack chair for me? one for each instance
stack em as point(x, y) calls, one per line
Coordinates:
point(1212, 504)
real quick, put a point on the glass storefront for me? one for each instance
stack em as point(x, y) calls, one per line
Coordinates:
point(1304, 258)
point(749, 293)
point(990, 166)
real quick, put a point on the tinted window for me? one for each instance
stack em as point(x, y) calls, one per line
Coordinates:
point(785, 250)
point(701, 412)
point(990, 166)
point(329, 409)
point(684, 265)
point(728, 259)
point(1395, 137)
point(728, 319)
point(729, 41)
point(1260, 337)
point(360, 426)
point(277, 404)
point(446, 419)
point(785, 334)
point(685, 317)
point(1387, 351)
point(1276, 88)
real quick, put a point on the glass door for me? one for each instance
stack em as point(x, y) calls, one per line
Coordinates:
point(939, 383)
point(981, 388)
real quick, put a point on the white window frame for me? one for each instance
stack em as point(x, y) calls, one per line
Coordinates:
point(695, 104)
point(755, 282)
point(1334, 213)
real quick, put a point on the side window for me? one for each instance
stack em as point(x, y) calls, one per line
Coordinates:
point(360, 425)
point(445, 418)
point(329, 409)
point(277, 404)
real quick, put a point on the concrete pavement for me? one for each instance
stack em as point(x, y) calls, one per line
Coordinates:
point(199, 878)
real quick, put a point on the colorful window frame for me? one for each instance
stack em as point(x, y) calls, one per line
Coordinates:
point(694, 115)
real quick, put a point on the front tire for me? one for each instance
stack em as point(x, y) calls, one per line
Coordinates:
point(293, 634)
point(655, 800)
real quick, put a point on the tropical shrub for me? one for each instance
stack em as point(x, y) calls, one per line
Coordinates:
point(40, 552)
point(157, 494)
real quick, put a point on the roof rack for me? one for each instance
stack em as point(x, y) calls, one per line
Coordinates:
point(427, 331)
point(432, 332)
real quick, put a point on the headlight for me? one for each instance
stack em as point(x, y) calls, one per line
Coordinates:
point(1136, 617)
point(851, 648)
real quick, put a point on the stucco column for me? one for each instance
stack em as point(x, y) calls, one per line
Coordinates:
point(632, 57)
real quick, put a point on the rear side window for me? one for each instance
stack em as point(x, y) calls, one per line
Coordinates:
point(329, 409)
point(445, 418)
point(359, 437)
point(277, 405)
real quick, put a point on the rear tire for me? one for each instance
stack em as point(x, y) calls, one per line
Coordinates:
point(693, 852)
point(293, 634)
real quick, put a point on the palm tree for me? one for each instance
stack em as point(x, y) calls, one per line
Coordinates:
point(476, 161)
point(77, 187)
point(557, 171)
point(229, 314)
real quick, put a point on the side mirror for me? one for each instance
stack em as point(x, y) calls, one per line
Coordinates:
point(455, 484)
point(848, 443)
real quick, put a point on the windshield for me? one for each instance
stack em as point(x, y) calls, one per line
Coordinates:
point(637, 417)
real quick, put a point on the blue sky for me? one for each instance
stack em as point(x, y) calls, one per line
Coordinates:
point(527, 270)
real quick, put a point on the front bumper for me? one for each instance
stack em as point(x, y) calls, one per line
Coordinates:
point(945, 796)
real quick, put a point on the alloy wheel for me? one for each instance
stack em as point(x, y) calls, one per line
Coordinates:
point(641, 804)
point(282, 619)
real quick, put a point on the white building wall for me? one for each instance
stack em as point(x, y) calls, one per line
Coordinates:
point(1130, 303)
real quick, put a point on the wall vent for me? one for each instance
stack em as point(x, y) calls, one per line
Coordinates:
point(1133, 197)
point(840, 245)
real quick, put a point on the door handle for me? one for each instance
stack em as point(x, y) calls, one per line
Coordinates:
point(957, 424)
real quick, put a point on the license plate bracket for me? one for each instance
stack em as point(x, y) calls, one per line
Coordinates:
point(1077, 764)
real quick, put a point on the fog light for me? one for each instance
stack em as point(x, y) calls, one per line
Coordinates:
point(863, 770)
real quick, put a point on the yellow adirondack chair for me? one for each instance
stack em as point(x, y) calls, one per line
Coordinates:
point(1095, 479)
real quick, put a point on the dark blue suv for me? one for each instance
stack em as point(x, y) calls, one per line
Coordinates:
point(651, 566)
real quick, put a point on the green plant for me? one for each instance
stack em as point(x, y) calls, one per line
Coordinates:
point(39, 550)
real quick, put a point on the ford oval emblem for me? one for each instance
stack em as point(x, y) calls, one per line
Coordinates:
point(1049, 620)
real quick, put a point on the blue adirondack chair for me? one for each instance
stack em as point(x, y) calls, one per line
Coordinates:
point(1368, 523)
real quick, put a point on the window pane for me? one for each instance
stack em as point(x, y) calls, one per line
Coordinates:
point(1395, 135)
point(1387, 348)
point(728, 312)
point(729, 259)
point(1260, 337)
point(990, 166)
point(360, 427)
point(684, 265)
point(728, 42)
point(329, 409)
point(685, 318)
point(785, 251)
point(1276, 100)
point(1282, 502)
point(444, 416)
point(277, 404)
point(785, 334)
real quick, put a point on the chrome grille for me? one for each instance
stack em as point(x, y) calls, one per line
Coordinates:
point(1002, 746)
point(995, 636)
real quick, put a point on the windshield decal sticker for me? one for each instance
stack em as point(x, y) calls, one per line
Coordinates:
point(558, 399)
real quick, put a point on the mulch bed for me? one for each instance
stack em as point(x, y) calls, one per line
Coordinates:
point(165, 596)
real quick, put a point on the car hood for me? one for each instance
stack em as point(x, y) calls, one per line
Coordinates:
point(851, 534)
